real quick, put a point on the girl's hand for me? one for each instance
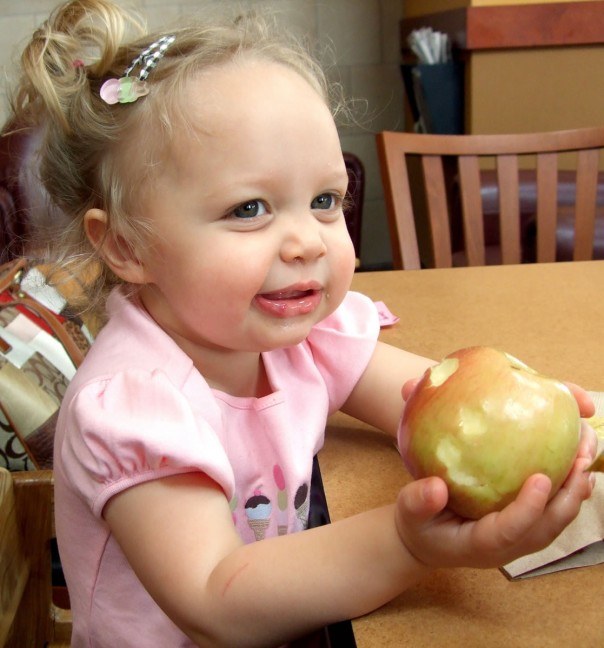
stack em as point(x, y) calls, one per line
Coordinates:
point(437, 537)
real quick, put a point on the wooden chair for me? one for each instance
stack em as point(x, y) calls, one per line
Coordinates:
point(422, 173)
point(353, 209)
point(28, 617)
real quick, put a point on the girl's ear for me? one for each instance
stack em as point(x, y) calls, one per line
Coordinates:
point(117, 253)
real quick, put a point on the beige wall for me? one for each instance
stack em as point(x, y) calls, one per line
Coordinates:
point(364, 36)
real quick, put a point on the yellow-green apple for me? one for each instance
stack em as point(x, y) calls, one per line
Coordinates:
point(484, 422)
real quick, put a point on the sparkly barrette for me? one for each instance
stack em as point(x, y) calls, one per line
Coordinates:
point(128, 89)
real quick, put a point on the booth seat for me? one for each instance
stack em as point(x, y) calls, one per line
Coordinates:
point(528, 214)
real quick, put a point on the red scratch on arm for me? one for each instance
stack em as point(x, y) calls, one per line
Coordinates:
point(232, 578)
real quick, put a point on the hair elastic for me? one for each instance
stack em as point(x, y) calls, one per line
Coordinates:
point(128, 89)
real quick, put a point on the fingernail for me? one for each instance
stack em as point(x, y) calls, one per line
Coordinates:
point(542, 484)
point(428, 491)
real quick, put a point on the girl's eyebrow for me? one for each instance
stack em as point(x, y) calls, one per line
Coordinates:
point(336, 175)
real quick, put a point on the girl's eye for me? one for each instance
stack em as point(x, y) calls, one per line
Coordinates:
point(324, 201)
point(250, 209)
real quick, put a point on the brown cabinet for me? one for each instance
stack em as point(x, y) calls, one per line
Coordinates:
point(528, 67)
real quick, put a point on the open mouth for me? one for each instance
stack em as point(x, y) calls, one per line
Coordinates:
point(288, 294)
point(289, 303)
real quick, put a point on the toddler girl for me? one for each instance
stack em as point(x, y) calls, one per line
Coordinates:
point(201, 171)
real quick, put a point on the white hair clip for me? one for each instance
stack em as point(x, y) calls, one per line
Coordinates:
point(128, 89)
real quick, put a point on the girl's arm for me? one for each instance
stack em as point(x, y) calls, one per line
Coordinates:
point(178, 535)
point(376, 398)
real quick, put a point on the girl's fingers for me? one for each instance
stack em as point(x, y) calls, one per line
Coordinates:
point(586, 404)
point(408, 387)
point(421, 500)
point(512, 523)
point(588, 446)
point(566, 503)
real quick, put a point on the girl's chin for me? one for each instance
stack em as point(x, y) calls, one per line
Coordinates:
point(287, 333)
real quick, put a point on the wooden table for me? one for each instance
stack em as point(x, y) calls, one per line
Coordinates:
point(552, 317)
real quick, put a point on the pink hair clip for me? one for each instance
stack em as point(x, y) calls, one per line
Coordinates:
point(78, 63)
point(124, 90)
point(128, 89)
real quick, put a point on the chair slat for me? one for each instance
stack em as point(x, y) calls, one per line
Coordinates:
point(547, 206)
point(471, 204)
point(405, 251)
point(509, 208)
point(438, 211)
point(585, 205)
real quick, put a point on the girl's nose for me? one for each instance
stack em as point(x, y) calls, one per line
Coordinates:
point(303, 241)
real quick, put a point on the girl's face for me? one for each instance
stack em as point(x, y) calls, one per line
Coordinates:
point(250, 247)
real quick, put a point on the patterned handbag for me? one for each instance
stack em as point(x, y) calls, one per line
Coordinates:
point(41, 346)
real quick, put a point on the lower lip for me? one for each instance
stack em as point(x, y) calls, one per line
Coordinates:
point(290, 307)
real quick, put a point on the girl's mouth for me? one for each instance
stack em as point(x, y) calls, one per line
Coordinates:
point(289, 303)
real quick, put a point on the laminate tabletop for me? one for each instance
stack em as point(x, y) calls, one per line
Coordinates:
point(550, 316)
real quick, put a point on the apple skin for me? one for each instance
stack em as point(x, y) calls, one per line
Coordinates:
point(483, 421)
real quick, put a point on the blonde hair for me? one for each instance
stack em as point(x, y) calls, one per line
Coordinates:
point(82, 161)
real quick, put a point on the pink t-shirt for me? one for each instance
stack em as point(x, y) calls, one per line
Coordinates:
point(138, 410)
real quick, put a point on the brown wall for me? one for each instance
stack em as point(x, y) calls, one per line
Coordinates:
point(532, 90)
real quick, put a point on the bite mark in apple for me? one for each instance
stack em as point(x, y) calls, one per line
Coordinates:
point(518, 364)
point(443, 371)
point(473, 422)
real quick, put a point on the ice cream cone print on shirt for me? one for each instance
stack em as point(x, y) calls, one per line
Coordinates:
point(302, 503)
point(282, 515)
point(258, 509)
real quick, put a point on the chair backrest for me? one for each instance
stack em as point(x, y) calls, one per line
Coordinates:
point(28, 617)
point(27, 218)
point(428, 170)
point(353, 210)
point(18, 189)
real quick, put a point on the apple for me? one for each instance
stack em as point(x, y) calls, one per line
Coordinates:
point(483, 421)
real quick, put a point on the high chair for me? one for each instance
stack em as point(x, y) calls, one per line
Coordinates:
point(28, 616)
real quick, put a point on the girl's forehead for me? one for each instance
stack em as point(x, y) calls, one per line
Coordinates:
point(267, 100)
point(241, 113)
point(239, 84)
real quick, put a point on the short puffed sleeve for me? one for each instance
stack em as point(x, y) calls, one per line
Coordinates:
point(342, 345)
point(134, 427)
